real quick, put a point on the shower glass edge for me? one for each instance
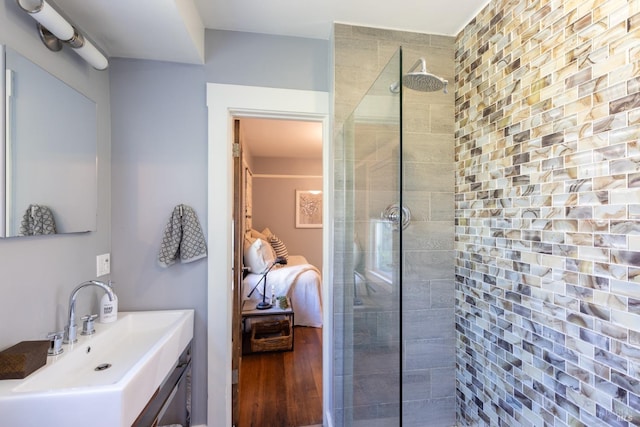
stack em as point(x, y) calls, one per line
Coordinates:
point(368, 297)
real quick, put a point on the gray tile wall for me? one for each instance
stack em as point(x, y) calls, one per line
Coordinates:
point(547, 225)
point(428, 285)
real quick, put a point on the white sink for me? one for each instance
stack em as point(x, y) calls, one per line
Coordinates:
point(142, 349)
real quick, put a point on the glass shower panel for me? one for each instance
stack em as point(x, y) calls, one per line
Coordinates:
point(368, 362)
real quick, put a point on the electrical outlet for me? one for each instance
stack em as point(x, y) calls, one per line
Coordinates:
point(103, 264)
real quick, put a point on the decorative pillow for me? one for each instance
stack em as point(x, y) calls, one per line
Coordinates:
point(279, 247)
point(258, 235)
point(266, 233)
point(259, 256)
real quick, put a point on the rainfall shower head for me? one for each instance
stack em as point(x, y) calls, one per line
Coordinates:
point(422, 80)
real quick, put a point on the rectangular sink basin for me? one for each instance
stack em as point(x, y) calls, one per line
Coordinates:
point(105, 379)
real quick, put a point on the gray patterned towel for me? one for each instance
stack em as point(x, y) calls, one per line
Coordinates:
point(37, 220)
point(183, 238)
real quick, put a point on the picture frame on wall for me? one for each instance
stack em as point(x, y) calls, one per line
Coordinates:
point(308, 209)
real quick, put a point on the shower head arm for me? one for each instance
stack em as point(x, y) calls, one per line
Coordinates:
point(419, 62)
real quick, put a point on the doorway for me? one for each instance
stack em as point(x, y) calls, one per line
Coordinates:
point(225, 103)
point(280, 376)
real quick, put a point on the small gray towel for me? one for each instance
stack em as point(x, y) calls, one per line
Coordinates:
point(37, 220)
point(183, 238)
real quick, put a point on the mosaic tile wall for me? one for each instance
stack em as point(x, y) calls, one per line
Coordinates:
point(548, 214)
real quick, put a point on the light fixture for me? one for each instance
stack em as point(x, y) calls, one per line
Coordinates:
point(54, 30)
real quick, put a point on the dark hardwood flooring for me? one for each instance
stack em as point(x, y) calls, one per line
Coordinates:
point(283, 389)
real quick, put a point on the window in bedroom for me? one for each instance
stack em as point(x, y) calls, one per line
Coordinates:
point(381, 249)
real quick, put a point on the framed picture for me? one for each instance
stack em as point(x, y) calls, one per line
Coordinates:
point(308, 209)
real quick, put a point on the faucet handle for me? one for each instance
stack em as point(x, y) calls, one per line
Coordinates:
point(55, 343)
point(87, 324)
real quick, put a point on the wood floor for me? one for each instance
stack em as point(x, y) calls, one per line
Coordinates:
point(283, 389)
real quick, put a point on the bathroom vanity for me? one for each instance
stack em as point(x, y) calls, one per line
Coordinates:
point(125, 374)
point(179, 378)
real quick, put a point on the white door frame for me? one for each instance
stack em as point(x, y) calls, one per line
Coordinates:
point(224, 103)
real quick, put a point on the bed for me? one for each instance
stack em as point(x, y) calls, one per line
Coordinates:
point(299, 280)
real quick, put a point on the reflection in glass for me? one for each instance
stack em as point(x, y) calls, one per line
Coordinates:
point(50, 153)
point(382, 255)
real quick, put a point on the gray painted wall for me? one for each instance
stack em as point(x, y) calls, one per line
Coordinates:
point(264, 60)
point(38, 273)
point(274, 203)
point(160, 159)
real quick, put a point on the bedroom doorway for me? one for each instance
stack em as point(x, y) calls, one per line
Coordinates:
point(224, 104)
point(276, 162)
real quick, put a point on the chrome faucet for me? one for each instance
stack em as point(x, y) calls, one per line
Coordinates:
point(71, 331)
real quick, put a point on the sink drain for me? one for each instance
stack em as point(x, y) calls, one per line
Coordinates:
point(102, 366)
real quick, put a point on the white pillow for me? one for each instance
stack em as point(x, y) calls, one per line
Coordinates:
point(258, 235)
point(259, 256)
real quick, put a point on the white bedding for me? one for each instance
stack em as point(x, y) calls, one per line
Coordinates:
point(300, 281)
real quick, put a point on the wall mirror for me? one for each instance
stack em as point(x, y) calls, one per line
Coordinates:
point(49, 164)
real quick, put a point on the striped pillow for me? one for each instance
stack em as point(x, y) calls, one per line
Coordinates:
point(279, 247)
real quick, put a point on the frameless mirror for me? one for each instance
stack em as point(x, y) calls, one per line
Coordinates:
point(50, 153)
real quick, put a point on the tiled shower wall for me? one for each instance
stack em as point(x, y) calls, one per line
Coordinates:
point(429, 343)
point(548, 214)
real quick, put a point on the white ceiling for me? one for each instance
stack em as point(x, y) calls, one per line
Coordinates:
point(281, 138)
point(174, 30)
point(164, 30)
point(313, 18)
